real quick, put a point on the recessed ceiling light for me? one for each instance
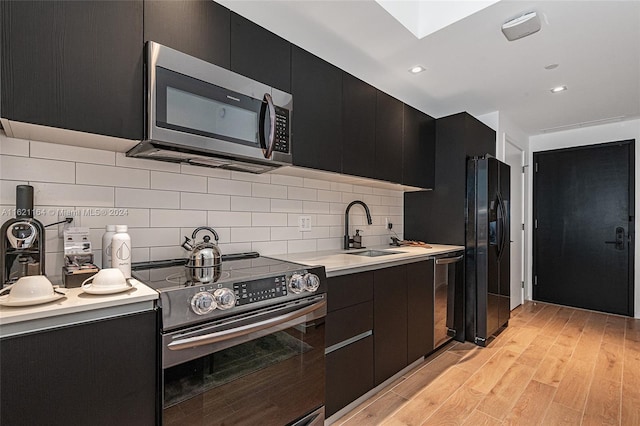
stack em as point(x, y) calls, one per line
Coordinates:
point(416, 69)
point(558, 89)
point(551, 66)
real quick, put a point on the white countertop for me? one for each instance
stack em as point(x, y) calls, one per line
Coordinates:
point(341, 262)
point(76, 307)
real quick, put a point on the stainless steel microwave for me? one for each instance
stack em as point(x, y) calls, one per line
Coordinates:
point(201, 114)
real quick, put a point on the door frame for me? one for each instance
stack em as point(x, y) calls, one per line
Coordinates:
point(523, 188)
point(631, 142)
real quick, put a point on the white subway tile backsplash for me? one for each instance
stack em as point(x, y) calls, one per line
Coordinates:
point(92, 174)
point(250, 177)
point(308, 194)
point(317, 184)
point(269, 248)
point(268, 219)
point(315, 207)
point(147, 198)
point(230, 219)
point(112, 216)
point(195, 201)
point(53, 263)
point(54, 194)
point(228, 187)
point(37, 169)
point(155, 237)
point(163, 202)
point(12, 146)
point(301, 246)
point(286, 233)
point(177, 218)
point(287, 180)
point(8, 191)
point(329, 196)
point(72, 153)
point(178, 182)
point(286, 206)
point(268, 190)
point(250, 204)
point(329, 244)
point(141, 163)
point(247, 235)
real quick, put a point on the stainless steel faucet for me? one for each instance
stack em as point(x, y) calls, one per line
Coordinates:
point(347, 240)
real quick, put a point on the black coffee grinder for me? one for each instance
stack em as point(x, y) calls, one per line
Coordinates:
point(22, 247)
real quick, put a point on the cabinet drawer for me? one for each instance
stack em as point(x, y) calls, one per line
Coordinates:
point(348, 290)
point(348, 322)
point(349, 374)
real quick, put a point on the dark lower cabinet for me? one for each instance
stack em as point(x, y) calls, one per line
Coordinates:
point(99, 373)
point(349, 374)
point(74, 65)
point(348, 339)
point(199, 28)
point(390, 321)
point(420, 309)
point(316, 134)
point(388, 144)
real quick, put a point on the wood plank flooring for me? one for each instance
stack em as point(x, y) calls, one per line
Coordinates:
point(553, 365)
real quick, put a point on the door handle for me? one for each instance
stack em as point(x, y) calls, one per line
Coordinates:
point(619, 242)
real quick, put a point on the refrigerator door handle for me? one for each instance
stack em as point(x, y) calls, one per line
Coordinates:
point(503, 225)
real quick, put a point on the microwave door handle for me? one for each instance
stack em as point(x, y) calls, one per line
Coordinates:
point(267, 145)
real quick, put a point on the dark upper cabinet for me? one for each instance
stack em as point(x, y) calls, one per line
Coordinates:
point(389, 321)
point(74, 65)
point(419, 148)
point(358, 127)
point(316, 136)
point(259, 54)
point(388, 145)
point(199, 28)
point(420, 309)
point(438, 216)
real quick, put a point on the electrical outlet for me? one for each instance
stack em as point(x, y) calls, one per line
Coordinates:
point(304, 223)
point(62, 215)
point(387, 224)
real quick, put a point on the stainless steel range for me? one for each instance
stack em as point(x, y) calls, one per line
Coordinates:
point(245, 349)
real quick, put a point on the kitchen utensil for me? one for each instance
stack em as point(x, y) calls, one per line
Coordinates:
point(205, 259)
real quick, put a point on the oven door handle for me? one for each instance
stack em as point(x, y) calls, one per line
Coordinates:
point(233, 333)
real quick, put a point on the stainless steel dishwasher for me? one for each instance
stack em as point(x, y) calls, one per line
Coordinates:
point(448, 298)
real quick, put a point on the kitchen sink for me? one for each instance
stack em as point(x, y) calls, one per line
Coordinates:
point(375, 253)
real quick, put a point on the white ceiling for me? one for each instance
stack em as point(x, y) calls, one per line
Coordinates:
point(470, 65)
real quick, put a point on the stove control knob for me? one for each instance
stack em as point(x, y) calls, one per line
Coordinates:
point(224, 298)
point(202, 303)
point(312, 282)
point(297, 283)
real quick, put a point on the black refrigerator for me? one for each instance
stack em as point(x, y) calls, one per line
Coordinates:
point(487, 273)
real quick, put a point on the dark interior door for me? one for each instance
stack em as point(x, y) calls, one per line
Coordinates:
point(583, 229)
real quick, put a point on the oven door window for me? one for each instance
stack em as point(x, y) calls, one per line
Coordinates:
point(193, 106)
point(269, 380)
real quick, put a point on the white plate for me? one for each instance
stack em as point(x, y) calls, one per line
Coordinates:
point(106, 290)
point(29, 302)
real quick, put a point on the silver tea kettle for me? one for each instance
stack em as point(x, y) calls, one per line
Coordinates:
point(205, 260)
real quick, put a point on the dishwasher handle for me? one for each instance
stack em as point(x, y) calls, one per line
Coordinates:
point(233, 333)
point(449, 260)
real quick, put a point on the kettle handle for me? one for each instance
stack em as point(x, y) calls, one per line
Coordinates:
point(205, 228)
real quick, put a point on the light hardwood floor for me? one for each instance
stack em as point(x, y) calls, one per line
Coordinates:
point(553, 365)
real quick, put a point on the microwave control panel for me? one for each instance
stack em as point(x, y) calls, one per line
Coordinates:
point(281, 141)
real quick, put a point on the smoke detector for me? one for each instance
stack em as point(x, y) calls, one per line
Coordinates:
point(521, 26)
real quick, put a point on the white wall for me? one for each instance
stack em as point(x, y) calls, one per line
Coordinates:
point(162, 202)
point(587, 136)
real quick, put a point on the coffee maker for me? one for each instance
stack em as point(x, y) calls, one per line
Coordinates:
point(22, 240)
